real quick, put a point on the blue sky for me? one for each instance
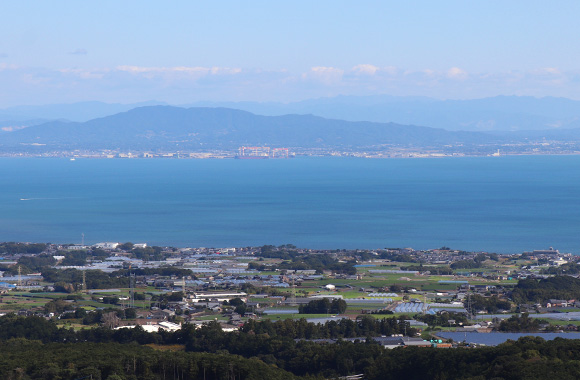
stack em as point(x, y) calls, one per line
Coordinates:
point(185, 51)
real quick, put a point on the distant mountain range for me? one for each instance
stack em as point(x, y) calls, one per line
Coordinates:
point(501, 113)
point(162, 127)
point(24, 116)
point(198, 128)
point(496, 114)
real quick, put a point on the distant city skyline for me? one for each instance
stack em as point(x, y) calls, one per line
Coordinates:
point(184, 52)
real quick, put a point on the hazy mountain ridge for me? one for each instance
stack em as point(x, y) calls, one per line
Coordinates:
point(79, 112)
point(500, 113)
point(494, 114)
point(13, 125)
point(162, 127)
point(194, 128)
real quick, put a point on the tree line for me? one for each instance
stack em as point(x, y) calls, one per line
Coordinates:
point(34, 348)
point(539, 291)
point(323, 306)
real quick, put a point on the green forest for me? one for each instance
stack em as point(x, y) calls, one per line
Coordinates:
point(557, 287)
point(35, 348)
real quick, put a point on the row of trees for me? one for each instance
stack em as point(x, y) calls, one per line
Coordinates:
point(24, 359)
point(528, 358)
point(476, 262)
point(38, 328)
point(493, 304)
point(438, 270)
point(71, 279)
point(520, 323)
point(568, 269)
point(539, 291)
point(293, 260)
point(323, 306)
point(12, 248)
point(260, 351)
point(442, 319)
point(41, 262)
point(366, 326)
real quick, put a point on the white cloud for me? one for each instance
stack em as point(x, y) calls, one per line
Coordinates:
point(326, 75)
point(456, 73)
point(427, 72)
point(141, 69)
point(196, 70)
point(369, 70)
point(181, 84)
point(548, 70)
point(365, 69)
point(326, 70)
point(84, 73)
point(550, 76)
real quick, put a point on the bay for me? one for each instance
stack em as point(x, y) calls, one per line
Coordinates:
point(503, 204)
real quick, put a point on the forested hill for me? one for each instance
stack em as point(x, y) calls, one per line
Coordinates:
point(557, 287)
point(198, 128)
point(33, 348)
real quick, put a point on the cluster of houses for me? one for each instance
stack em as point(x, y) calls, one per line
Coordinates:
point(220, 275)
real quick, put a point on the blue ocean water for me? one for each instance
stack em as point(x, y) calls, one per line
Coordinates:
point(503, 204)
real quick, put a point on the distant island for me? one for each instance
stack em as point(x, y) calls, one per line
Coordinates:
point(206, 132)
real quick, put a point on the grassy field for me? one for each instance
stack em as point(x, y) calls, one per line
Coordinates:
point(351, 294)
point(15, 301)
point(556, 322)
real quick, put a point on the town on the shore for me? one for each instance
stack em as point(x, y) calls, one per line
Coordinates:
point(123, 285)
point(541, 147)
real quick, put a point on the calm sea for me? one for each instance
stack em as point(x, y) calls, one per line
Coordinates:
point(502, 204)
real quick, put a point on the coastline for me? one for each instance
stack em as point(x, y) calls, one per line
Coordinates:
point(232, 156)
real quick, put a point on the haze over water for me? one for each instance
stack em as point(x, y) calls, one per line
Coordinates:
point(502, 204)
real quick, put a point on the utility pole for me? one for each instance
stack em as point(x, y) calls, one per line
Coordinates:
point(131, 290)
point(293, 290)
point(469, 311)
